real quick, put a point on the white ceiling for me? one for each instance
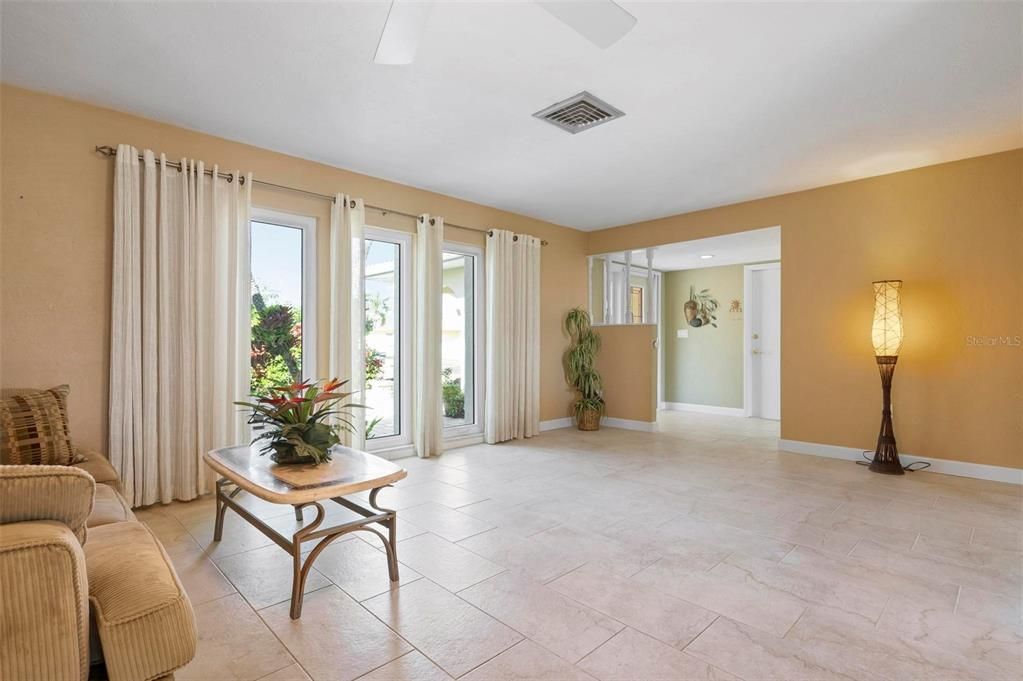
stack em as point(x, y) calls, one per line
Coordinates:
point(755, 245)
point(723, 102)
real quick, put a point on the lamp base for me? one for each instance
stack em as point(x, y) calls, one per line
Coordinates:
point(886, 456)
point(887, 462)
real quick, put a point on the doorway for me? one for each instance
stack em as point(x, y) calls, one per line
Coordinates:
point(762, 346)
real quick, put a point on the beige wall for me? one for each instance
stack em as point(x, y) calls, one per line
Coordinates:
point(705, 367)
point(628, 370)
point(57, 227)
point(954, 233)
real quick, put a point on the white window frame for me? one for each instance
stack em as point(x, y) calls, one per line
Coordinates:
point(400, 444)
point(307, 225)
point(474, 430)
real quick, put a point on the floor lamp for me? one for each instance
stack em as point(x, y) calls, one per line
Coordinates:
point(886, 335)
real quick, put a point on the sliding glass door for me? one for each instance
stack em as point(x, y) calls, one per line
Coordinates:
point(386, 286)
point(461, 343)
point(282, 295)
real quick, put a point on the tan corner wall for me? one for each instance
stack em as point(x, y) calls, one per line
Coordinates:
point(628, 369)
point(56, 241)
point(954, 233)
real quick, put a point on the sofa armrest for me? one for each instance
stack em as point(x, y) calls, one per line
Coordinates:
point(60, 493)
point(44, 610)
point(98, 466)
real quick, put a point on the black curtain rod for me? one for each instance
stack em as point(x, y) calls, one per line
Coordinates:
point(110, 151)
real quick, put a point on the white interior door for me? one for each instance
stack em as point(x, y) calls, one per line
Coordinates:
point(765, 342)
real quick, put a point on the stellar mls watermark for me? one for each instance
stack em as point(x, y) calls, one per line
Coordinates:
point(994, 341)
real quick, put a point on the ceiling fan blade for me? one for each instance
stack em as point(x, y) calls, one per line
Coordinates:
point(402, 32)
point(602, 22)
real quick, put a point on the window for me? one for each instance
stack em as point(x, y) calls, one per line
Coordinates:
point(386, 325)
point(461, 327)
point(281, 264)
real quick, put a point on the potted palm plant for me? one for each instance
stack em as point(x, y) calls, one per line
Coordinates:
point(580, 372)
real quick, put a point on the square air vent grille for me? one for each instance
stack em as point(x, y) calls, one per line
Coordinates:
point(578, 113)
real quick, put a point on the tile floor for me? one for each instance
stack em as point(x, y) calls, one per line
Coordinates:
point(699, 552)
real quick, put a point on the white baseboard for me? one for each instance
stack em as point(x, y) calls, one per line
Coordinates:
point(609, 421)
point(392, 453)
point(629, 424)
point(463, 441)
point(947, 466)
point(555, 424)
point(702, 408)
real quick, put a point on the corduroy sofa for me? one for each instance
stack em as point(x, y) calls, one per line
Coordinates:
point(72, 556)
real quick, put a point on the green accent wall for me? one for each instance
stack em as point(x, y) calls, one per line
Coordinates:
point(706, 367)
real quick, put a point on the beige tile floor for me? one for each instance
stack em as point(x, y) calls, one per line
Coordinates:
point(699, 552)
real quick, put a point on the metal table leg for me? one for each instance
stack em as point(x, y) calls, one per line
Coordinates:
point(311, 532)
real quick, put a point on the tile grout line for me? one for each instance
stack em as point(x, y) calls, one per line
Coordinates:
point(794, 623)
point(717, 616)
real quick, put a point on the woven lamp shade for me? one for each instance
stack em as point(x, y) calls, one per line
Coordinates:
point(886, 332)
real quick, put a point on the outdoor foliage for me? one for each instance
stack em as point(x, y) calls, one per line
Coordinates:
point(374, 365)
point(276, 355)
point(453, 395)
point(375, 312)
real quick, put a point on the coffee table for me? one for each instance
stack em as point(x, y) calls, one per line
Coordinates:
point(349, 472)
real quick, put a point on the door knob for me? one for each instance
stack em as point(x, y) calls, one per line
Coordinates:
point(756, 352)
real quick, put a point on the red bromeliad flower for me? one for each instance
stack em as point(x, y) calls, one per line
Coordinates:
point(301, 422)
point(294, 388)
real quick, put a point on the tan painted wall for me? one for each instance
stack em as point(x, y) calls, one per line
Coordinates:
point(628, 369)
point(954, 233)
point(57, 229)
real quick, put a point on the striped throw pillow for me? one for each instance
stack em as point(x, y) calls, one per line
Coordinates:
point(34, 428)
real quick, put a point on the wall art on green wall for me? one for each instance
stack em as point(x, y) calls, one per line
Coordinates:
point(700, 309)
point(735, 309)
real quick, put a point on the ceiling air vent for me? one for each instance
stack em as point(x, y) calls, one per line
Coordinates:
point(578, 113)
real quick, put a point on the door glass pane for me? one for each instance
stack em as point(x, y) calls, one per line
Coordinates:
point(457, 344)
point(383, 334)
point(276, 312)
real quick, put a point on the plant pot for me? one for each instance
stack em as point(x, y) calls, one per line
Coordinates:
point(689, 310)
point(589, 420)
point(284, 453)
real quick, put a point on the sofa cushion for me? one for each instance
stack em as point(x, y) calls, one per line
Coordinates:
point(143, 616)
point(97, 465)
point(34, 428)
point(108, 507)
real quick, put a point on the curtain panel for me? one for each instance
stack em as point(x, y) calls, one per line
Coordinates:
point(179, 352)
point(512, 407)
point(347, 315)
point(427, 433)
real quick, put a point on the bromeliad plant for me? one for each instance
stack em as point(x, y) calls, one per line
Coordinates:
point(579, 369)
point(299, 423)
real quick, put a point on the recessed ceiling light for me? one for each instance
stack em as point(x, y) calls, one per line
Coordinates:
point(706, 256)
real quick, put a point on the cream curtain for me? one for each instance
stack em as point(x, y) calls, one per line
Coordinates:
point(179, 352)
point(346, 361)
point(513, 337)
point(427, 426)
